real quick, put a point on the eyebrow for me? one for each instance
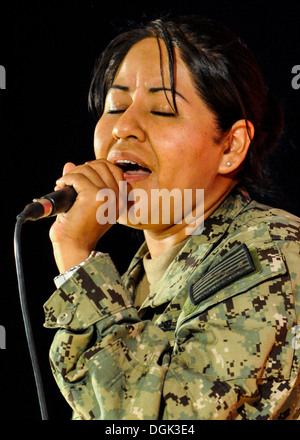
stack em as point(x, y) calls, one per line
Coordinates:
point(116, 86)
point(165, 89)
point(151, 90)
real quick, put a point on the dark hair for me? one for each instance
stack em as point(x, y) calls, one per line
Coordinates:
point(225, 73)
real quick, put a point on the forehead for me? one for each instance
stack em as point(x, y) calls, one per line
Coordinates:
point(147, 62)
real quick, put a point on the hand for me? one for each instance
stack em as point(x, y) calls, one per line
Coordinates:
point(75, 234)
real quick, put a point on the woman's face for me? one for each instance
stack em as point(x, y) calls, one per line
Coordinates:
point(139, 125)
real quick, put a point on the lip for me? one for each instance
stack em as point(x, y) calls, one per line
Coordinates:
point(130, 176)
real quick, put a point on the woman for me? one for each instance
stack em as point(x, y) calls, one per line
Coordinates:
point(202, 325)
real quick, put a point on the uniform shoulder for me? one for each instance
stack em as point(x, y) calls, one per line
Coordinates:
point(281, 224)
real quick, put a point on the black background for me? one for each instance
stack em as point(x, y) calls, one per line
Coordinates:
point(48, 49)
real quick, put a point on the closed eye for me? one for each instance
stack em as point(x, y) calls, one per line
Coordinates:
point(157, 113)
point(114, 112)
point(163, 113)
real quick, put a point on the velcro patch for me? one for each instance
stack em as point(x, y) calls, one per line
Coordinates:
point(233, 266)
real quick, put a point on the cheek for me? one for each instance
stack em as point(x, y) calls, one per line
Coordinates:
point(102, 139)
point(190, 163)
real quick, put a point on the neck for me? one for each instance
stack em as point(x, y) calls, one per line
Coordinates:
point(160, 240)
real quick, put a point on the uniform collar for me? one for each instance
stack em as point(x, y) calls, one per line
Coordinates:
point(192, 254)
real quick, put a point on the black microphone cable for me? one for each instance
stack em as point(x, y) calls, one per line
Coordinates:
point(26, 318)
point(48, 205)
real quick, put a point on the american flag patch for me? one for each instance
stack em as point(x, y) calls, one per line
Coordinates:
point(236, 264)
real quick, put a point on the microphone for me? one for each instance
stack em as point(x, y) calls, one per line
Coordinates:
point(49, 205)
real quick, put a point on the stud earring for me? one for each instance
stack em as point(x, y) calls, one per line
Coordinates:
point(228, 164)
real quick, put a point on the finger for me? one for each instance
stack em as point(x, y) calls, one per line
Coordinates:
point(83, 176)
point(101, 173)
point(68, 167)
point(115, 170)
point(109, 172)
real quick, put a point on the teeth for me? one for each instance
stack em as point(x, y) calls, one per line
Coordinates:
point(131, 167)
point(125, 161)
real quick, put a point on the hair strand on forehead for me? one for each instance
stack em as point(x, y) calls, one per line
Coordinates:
point(173, 105)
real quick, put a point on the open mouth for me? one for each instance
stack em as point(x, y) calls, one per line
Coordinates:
point(132, 168)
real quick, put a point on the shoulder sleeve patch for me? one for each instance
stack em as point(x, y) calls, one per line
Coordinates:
point(233, 266)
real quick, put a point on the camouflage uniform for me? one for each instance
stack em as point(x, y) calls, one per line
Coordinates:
point(217, 338)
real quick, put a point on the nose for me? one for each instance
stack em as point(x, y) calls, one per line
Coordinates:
point(130, 125)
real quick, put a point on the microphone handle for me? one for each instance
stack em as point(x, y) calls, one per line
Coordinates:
point(51, 204)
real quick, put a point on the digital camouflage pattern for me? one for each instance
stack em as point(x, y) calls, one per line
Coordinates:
point(232, 354)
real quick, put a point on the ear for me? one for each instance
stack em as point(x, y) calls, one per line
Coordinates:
point(236, 145)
